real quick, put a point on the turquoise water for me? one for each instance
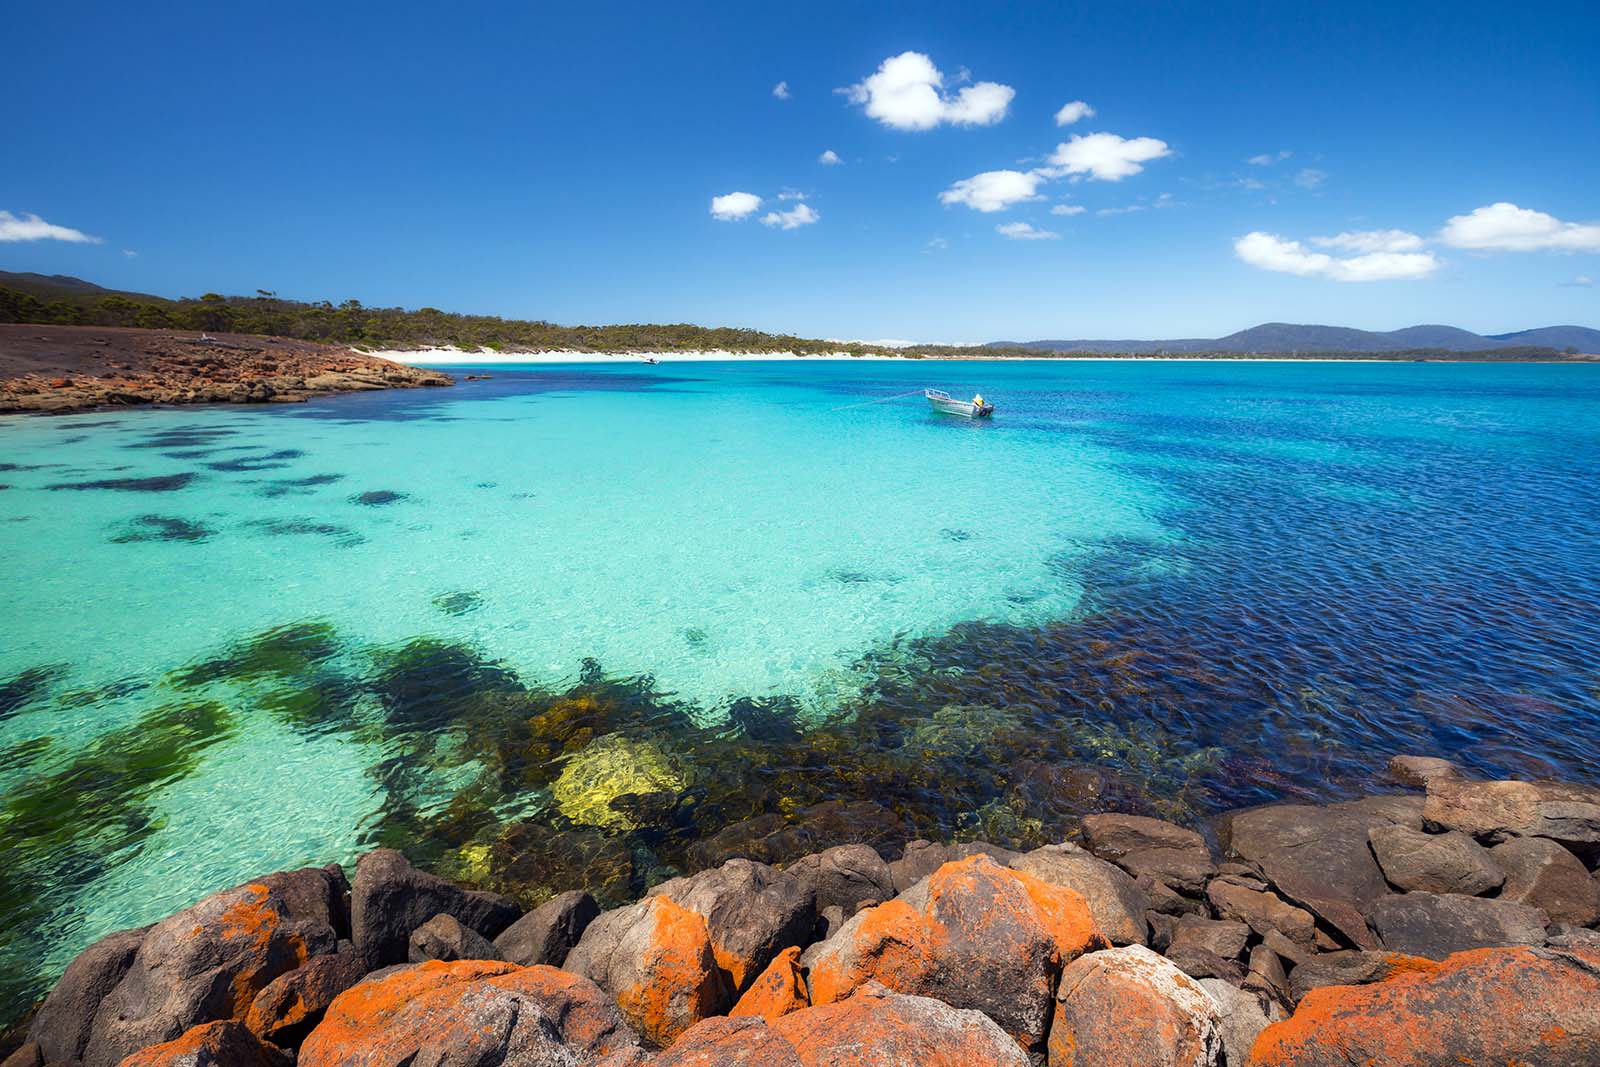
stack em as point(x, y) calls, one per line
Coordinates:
point(728, 594)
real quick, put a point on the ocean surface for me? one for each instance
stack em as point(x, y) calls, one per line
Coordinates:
point(601, 624)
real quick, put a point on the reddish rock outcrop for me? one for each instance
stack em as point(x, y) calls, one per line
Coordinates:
point(1497, 811)
point(655, 957)
point(1128, 1007)
point(873, 1028)
point(219, 1044)
point(752, 912)
point(467, 1012)
point(1521, 1006)
point(974, 934)
point(780, 989)
point(208, 962)
point(291, 1004)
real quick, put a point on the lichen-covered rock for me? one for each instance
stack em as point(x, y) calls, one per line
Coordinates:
point(1151, 848)
point(391, 899)
point(655, 957)
point(752, 912)
point(444, 938)
point(1449, 862)
point(973, 934)
point(62, 1025)
point(778, 990)
point(1317, 856)
point(1532, 1007)
point(1435, 925)
point(1263, 911)
point(873, 1028)
point(1114, 898)
point(1128, 1007)
point(27, 1054)
point(218, 1044)
point(1542, 874)
point(208, 962)
point(467, 1012)
point(547, 933)
point(845, 876)
point(922, 858)
point(1353, 967)
point(1497, 811)
point(291, 1004)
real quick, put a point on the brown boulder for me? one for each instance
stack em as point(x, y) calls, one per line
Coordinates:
point(752, 912)
point(656, 958)
point(208, 962)
point(1436, 925)
point(1418, 771)
point(1263, 912)
point(873, 1028)
point(291, 1004)
point(1353, 967)
point(62, 1025)
point(779, 989)
point(1433, 863)
point(845, 876)
point(973, 934)
point(391, 899)
point(1542, 874)
point(218, 1044)
point(1153, 848)
point(1531, 1007)
point(444, 938)
point(922, 858)
point(1225, 937)
point(467, 1012)
point(547, 933)
point(1114, 898)
point(1496, 811)
point(1128, 1007)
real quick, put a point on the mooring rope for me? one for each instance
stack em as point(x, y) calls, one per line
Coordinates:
point(880, 400)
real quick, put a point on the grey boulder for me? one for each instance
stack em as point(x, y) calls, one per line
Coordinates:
point(391, 899)
point(1497, 811)
point(1450, 862)
point(444, 938)
point(547, 933)
point(61, 1026)
point(752, 912)
point(1542, 874)
point(1143, 846)
point(922, 858)
point(1435, 925)
point(1114, 898)
point(846, 877)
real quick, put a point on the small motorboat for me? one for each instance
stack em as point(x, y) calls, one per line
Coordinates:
point(942, 402)
point(651, 359)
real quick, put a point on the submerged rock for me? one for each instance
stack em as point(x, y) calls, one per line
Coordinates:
point(1128, 1007)
point(608, 769)
point(1492, 1006)
point(467, 1012)
point(973, 934)
point(208, 962)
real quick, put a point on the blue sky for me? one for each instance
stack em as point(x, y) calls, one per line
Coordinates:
point(560, 161)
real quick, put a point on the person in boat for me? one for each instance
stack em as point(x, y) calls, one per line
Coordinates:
point(977, 402)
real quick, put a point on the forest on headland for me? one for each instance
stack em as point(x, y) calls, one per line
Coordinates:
point(60, 300)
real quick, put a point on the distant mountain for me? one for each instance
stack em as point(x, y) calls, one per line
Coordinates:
point(1291, 337)
point(63, 287)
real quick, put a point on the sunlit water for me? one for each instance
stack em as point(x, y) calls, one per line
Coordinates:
point(1158, 585)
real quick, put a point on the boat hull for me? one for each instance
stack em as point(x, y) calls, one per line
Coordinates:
point(962, 408)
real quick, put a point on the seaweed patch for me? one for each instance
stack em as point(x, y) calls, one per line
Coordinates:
point(378, 497)
point(161, 528)
point(163, 483)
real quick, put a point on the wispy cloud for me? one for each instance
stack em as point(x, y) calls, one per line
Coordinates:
point(1072, 112)
point(1310, 178)
point(29, 227)
point(1267, 159)
point(1505, 227)
point(1068, 209)
point(1268, 251)
point(830, 158)
point(800, 215)
point(1023, 231)
point(1582, 281)
point(1363, 241)
point(936, 244)
point(781, 91)
point(1163, 201)
point(1106, 156)
point(906, 93)
point(994, 190)
point(733, 206)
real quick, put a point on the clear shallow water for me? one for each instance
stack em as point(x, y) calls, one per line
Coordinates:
point(597, 624)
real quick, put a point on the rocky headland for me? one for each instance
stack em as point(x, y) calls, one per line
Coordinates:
point(57, 369)
point(1451, 921)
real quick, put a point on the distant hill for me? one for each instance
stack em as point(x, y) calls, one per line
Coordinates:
point(1291, 337)
point(65, 287)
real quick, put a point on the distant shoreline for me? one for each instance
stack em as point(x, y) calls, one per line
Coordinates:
point(455, 357)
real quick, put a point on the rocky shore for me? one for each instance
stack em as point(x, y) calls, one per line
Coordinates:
point(1452, 921)
point(57, 369)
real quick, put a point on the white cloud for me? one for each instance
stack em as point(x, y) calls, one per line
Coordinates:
point(27, 227)
point(830, 158)
point(1073, 112)
point(732, 206)
point(1164, 200)
point(1267, 159)
point(1504, 227)
point(935, 244)
point(1068, 209)
point(1310, 178)
point(1023, 231)
point(791, 194)
point(906, 94)
point(993, 190)
point(1268, 251)
point(1582, 281)
point(1371, 241)
point(1106, 156)
point(796, 217)
point(781, 91)
point(130, 253)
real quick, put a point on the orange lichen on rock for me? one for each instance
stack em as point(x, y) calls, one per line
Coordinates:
point(677, 982)
point(255, 921)
point(780, 989)
point(974, 934)
point(223, 1042)
point(1500, 1006)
